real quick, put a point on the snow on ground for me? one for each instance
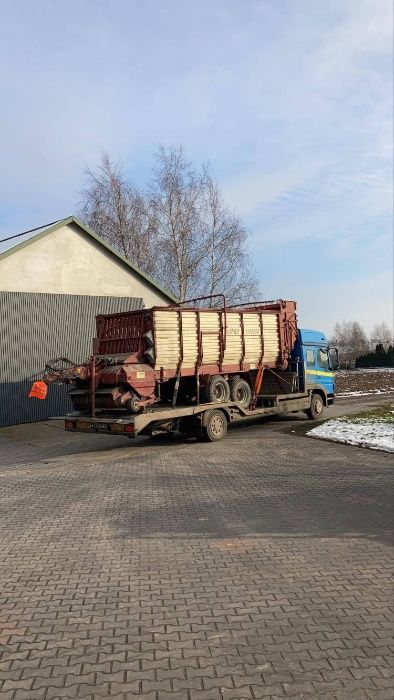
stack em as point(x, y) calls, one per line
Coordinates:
point(378, 369)
point(366, 393)
point(377, 435)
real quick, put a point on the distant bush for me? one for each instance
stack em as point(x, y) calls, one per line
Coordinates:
point(379, 358)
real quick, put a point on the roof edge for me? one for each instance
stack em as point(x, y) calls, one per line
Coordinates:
point(77, 222)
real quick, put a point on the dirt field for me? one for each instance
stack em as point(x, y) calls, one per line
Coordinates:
point(364, 381)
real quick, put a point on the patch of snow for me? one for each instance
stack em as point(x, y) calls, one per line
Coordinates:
point(377, 435)
point(358, 370)
point(377, 369)
point(366, 393)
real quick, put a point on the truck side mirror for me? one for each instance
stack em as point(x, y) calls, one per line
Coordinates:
point(334, 358)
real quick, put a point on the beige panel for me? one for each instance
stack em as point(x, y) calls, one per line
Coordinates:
point(252, 330)
point(271, 337)
point(210, 328)
point(70, 262)
point(167, 335)
point(166, 325)
point(233, 351)
point(190, 340)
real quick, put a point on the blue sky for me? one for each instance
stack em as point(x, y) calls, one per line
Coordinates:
point(289, 101)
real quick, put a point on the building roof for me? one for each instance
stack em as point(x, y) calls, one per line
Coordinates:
point(8, 247)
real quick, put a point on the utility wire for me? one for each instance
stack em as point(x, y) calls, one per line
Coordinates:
point(16, 235)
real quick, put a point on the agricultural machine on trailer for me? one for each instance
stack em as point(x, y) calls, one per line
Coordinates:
point(196, 369)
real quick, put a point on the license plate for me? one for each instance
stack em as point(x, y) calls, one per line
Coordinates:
point(88, 427)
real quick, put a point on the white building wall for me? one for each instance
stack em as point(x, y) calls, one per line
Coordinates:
point(68, 262)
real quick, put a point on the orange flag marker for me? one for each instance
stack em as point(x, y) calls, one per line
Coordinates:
point(38, 390)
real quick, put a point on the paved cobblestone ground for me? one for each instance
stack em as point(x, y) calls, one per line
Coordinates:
point(254, 568)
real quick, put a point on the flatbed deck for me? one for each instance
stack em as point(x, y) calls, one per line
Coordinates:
point(166, 419)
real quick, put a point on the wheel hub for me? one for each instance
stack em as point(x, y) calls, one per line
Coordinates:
point(217, 426)
point(219, 392)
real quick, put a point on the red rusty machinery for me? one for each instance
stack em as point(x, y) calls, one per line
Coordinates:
point(122, 374)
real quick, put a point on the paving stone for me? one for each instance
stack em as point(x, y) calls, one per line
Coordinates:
point(257, 567)
point(267, 691)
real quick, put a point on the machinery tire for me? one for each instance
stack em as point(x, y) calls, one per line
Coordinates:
point(131, 405)
point(240, 391)
point(214, 425)
point(217, 389)
point(315, 411)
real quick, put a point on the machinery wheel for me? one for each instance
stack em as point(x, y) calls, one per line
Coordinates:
point(131, 405)
point(240, 391)
point(214, 425)
point(315, 411)
point(217, 389)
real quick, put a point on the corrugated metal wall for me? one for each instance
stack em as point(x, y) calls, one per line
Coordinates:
point(35, 328)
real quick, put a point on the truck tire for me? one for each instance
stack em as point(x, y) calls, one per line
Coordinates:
point(214, 425)
point(217, 389)
point(315, 411)
point(240, 391)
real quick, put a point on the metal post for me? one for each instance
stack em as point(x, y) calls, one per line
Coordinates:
point(93, 388)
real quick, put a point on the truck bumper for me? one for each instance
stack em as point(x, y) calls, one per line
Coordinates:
point(94, 425)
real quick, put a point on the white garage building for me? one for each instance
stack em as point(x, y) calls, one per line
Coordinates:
point(53, 282)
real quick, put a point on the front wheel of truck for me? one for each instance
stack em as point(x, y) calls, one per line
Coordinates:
point(315, 411)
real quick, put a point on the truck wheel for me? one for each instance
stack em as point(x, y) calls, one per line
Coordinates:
point(315, 411)
point(217, 389)
point(240, 391)
point(214, 426)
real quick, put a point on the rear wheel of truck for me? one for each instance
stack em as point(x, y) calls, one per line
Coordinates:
point(217, 389)
point(240, 391)
point(214, 425)
point(315, 411)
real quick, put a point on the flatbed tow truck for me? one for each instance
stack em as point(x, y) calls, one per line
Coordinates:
point(207, 422)
point(196, 370)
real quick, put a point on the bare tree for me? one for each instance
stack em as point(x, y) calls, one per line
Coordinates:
point(179, 230)
point(382, 334)
point(118, 212)
point(227, 266)
point(175, 200)
point(351, 340)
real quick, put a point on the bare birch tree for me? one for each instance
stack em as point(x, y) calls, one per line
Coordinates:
point(175, 201)
point(179, 230)
point(351, 340)
point(117, 211)
point(381, 333)
point(227, 265)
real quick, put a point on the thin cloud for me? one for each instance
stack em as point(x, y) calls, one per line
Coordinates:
point(290, 102)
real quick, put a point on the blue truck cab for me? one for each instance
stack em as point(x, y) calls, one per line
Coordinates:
point(315, 364)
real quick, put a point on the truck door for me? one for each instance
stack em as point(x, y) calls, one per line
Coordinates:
point(317, 368)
